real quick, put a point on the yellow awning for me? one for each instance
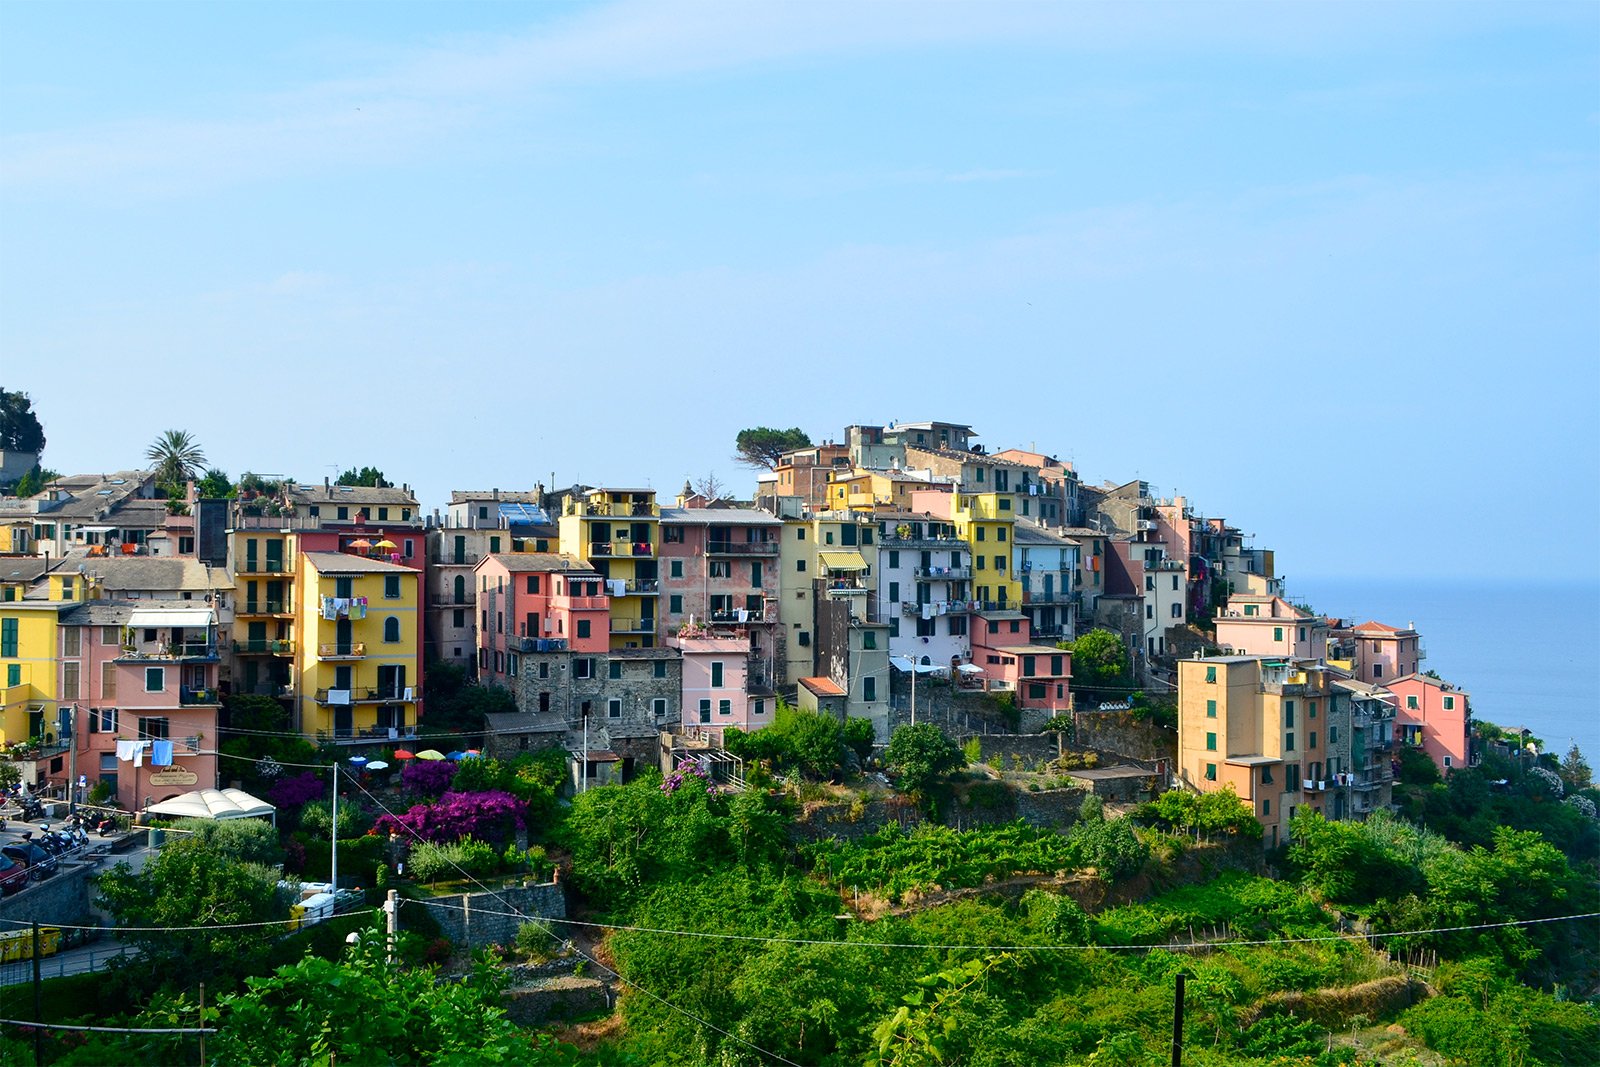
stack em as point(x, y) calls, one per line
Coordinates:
point(843, 561)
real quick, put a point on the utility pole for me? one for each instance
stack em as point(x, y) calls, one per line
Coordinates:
point(38, 1000)
point(585, 773)
point(202, 1024)
point(391, 908)
point(1177, 1022)
point(72, 762)
point(333, 836)
point(913, 690)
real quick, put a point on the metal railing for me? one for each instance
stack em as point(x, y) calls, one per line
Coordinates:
point(521, 643)
point(644, 586)
point(621, 548)
point(945, 574)
point(342, 650)
point(633, 626)
point(264, 646)
point(738, 616)
point(742, 548)
point(451, 600)
point(200, 695)
point(360, 695)
point(196, 650)
point(268, 566)
point(265, 607)
point(455, 559)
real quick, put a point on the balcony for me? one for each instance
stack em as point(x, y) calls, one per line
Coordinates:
point(450, 600)
point(845, 587)
point(738, 617)
point(519, 643)
point(267, 566)
point(742, 548)
point(195, 697)
point(1051, 596)
point(1314, 785)
point(266, 607)
point(358, 695)
point(642, 587)
point(455, 559)
point(366, 735)
point(931, 541)
point(633, 626)
point(263, 647)
point(939, 607)
point(621, 548)
point(944, 574)
point(168, 652)
point(631, 509)
point(344, 650)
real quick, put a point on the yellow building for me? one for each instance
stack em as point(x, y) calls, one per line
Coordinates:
point(1259, 725)
point(30, 644)
point(987, 523)
point(263, 565)
point(358, 647)
point(617, 532)
point(877, 490)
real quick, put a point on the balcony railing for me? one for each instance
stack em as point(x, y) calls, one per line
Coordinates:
point(621, 548)
point(633, 626)
point(206, 695)
point(455, 559)
point(264, 647)
point(519, 643)
point(358, 695)
point(945, 574)
point(342, 650)
point(841, 587)
point(186, 650)
point(1052, 596)
point(644, 586)
point(742, 548)
point(581, 603)
point(450, 600)
point(738, 617)
point(951, 607)
point(268, 566)
point(266, 607)
point(892, 540)
point(608, 510)
point(366, 735)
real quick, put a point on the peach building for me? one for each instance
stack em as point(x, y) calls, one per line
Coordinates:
point(1251, 625)
point(1384, 652)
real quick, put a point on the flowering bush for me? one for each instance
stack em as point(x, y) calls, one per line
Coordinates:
point(687, 768)
point(427, 777)
point(292, 792)
point(1584, 805)
point(1542, 780)
point(488, 816)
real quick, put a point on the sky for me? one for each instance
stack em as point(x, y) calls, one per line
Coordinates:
point(1329, 270)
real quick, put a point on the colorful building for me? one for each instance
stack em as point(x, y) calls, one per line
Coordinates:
point(618, 532)
point(1251, 625)
point(716, 693)
point(1359, 745)
point(720, 569)
point(924, 583)
point(1046, 563)
point(1038, 675)
point(1435, 716)
point(1384, 652)
point(358, 647)
point(1259, 725)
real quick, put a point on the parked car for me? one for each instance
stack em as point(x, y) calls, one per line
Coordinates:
point(13, 875)
point(40, 864)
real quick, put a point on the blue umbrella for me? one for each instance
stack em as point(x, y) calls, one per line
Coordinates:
point(454, 755)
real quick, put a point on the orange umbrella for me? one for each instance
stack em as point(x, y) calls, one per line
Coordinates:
point(401, 753)
point(361, 542)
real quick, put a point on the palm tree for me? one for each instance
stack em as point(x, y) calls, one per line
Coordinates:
point(176, 456)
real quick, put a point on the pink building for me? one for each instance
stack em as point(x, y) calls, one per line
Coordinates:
point(716, 693)
point(1270, 626)
point(1038, 675)
point(144, 673)
point(719, 566)
point(1435, 716)
point(534, 602)
point(1384, 652)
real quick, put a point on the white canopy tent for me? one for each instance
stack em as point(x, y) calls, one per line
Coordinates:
point(214, 804)
point(906, 665)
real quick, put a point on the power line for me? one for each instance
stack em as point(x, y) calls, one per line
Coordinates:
point(111, 1029)
point(184, 929)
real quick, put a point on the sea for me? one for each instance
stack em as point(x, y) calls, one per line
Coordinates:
point(1527, 655)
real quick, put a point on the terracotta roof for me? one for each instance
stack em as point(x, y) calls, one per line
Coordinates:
point(823, 687)
point(1382, 627)
point(541, 562)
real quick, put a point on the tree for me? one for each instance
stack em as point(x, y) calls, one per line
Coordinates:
point(214, 485)
point(1099, 658)
point(761, 446)
point(177, 908)
point(371, 477)
point(176, 457)
point(20, 430)
point(920, 755)
point(709, 486)
point(35, 480)
point(1575, 770)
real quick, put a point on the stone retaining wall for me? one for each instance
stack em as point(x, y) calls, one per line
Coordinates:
point(473, 920)
point(61, 898)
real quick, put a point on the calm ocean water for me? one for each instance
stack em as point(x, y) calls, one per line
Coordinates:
point(1529, 656)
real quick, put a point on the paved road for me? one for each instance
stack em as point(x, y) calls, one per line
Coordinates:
point(78, 960)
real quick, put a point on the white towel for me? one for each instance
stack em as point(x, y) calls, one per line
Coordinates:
point(126, 749)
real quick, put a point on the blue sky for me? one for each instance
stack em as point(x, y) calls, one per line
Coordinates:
point(1330, 270)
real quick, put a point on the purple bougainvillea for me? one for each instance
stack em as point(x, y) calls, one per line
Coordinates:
point(687, 768)
point(427, 777)
point(292, 792)
point(492, 815)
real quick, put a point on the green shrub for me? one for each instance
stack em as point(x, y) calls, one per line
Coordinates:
point(467, 857)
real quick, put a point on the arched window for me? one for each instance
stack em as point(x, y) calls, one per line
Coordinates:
point(461, 589)
point(391, 629)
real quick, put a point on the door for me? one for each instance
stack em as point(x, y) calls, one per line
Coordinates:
point(275, 557)
point(343, 722)
point(461, 587)
point(1049, 585)
point(461, 548)
point(342, 643)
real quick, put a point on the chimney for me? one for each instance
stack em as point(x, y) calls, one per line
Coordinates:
point(497, 494)
point(327, 485)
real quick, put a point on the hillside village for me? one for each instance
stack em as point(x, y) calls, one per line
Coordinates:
point(905, 681)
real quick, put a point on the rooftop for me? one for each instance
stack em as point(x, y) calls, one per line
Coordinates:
point(823, 687)
point(345, 563)
point(719, 517)
point(540, 562)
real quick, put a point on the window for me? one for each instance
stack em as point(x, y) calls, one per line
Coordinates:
point(894, 592)
point(720, 568)
point(110, 636)
point(108, 681)
point(544, 669)
point(982, 534)
point(982, 562)
point(1266, 807)
point(675, 604)
point(755, 575)
point(391, 587)
point(1177, 611)
point(1149, 583)
point(1211, 742)
point(800, 565)
point(1211, 709)
point(724, 707)
point(1211, 772)
point(894, 559)
point(658, 707)
point(583, 667)
point(155, 679)
point(675, 569)
point(614, 708)
point(583, 627)
point(1277, 633)
point(344, 513)
point(760, 709)
point(716, 674)
point(800, 534)
point(894, 626)
point(1288, 742)
point(532, 585)
point(869, 688)
point(1411, 703)
point(705, 711)
point(614, 669)
point(804, 638)
point(153, 729)
point(1291, 775)
point(1311, 709)
point(1000, 534)
point(72, 641)
point(1449, 703)
point(342, 587)
point(8, 637)
point(1211, 674)
point(1288, 713)
point(1333, 736)
point(458, 618)
point(869, 639)
point(1149, 611)
point(391, 630)
point(999, 563)
point(69, 681)
point(1447, 763)
point(511, 664)
point(1311, 739)
point(1266, 775)
point(102, 720)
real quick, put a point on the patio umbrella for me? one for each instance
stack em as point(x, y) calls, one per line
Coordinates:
point(472, 753)
point(458, 754)
point(378, 765)
point(385, 544)
point(361, 542)
point(359, 761)
point(401, 753)
point(430, 753)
